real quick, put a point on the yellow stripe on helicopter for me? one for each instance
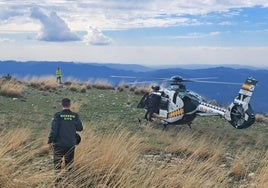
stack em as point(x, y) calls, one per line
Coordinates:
point(246, 86)
point(175, 113)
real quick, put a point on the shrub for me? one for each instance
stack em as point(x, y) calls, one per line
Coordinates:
point(121, 88)
point(237, 171)
point(73, 87)
point(83, 89)
point(102, 84)
point(133, 88)
point(67, 83)
point(141, 91)
point(88, 86)
point(76, 87)
point(43, 83)
point(261, 118)
point(11, 89)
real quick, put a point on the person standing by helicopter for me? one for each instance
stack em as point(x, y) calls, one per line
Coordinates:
point(153, 102)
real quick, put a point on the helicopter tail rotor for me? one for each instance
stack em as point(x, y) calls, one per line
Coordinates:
point(240, 114)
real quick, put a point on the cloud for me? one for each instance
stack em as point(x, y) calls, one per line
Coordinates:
point(5, 40)
point(54, 29)
point(96, 37)
point(226, 23)
point(122, 14)
point(197, 35)
point(6, 13)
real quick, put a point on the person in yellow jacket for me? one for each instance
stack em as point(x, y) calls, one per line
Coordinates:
point(58, 75)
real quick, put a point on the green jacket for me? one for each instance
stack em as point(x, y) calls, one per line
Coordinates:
point(63, 128)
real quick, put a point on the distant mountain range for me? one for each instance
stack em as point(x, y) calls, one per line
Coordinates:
point(224, 94)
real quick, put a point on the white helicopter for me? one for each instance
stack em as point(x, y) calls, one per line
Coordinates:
point(177, 105)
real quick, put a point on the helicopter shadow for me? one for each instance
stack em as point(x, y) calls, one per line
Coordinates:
point(159, 125)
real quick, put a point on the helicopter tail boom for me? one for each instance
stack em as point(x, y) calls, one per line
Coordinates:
point(239, 113)
point(206, 109)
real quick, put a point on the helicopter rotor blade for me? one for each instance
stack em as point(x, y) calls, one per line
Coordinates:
point(203, 78)
point(141, 84)
point(176, 79)
point(129, 77)
point(135, 77)
point(215, 82)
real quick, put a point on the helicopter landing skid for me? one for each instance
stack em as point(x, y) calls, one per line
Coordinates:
point(189, 125)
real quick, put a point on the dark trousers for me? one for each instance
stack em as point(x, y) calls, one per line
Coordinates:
point(149, 114)
point(60, 152)
point(59, 79)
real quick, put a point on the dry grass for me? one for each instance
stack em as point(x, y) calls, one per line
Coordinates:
point(262, 173)
point(184, 160)
point(121, 159)
point(261, 118)
point(14, 159)
point(141, 90)
point(12, 140)
point(238, 171)
point(77, 87)
point(107, 161)
point(103, 84)
point(122, 87)
point(47, 83)
point(11, 88)
point(20, 166)
point(75, 106)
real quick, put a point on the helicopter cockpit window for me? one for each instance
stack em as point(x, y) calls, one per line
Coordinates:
point(174, 87)
point(182, 88)
point(177, 87)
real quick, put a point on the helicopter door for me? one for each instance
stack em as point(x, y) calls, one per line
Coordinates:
point(163, 106)
point(163, 103)
point(189, 104)
point(144, 101)
point(175, 97)
point(175, 110)
point(176, 102)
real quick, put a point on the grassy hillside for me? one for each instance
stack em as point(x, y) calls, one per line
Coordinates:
point(118, 151)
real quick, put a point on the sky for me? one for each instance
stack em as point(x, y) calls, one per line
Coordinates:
point(146, 32)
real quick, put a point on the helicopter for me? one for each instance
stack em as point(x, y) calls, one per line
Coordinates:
point(178, 105)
